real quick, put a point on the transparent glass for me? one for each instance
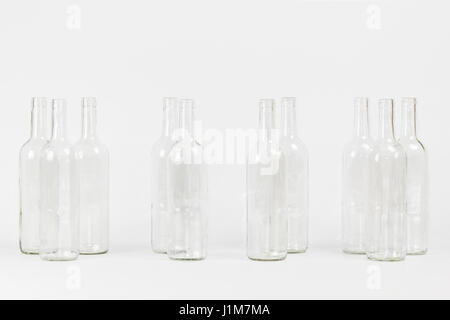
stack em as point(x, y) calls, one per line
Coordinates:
point(356, 194)
point(416, 181)
point(92, 183)
point(159, 156)
point(267, 220)
point(387, 219)
point(59, 225)
point(30, 155)
point(187, 191)
point(297, 174)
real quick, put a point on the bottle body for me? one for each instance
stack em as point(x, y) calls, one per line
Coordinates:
point(29, 182)
point(59, 225)
point(159, 205)
point(356, 194)
point(387, 219)
point(187, 193)
point(297, 198)
point(416, 181)
point(159, 178)
point(297, 178)
point(357, 198)
point(267, 219)
point(417, 190)
point(92, 184)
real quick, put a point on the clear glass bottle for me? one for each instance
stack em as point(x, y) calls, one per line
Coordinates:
point(159, 155)
point(30, 155)
point(416, 181)
point(187, 191)
point(92, 183)
point(387, 219)
point(59, 225)
point(356, 194)
point(267, 221)
point(297, 173)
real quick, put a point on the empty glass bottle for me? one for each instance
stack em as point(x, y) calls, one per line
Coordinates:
point(267, 221)
point(416, 181)
point(356, 194)
point(387, 219)
point(159, 154)
point(30, 155)
point(92, 183)
point(187, 191)
point(297, 197)
point(59, 232)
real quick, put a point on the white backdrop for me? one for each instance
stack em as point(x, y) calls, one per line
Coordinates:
point(226, 55)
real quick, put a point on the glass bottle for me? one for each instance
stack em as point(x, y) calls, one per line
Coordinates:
point(356, 169)
point(187, 191)
point(416, 181)
point(29, 178)
point(59, 232)
point(92, 183)
point(159, 154)
point(387, 219)
point(297, 197)
point(267, 221)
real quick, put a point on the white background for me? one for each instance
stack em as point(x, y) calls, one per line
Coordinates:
point(226, 55)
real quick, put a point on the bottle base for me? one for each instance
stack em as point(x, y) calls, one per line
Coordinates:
point(385, 259)
point(354, 252)
point(59, 255)
point(417, 253)
point(159, 251)
point(92, 253)
point(295, 251)
point(271, 257)
point(186, 256)
point(29, 251)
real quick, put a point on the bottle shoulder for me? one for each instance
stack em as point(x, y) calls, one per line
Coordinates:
point(89, 147)
point(33, 145)
point(56, 149)
point(359, 146)
point(412, 145)
point(293, 146)
point(185, 144)
point(162, 146)
point(391, 147)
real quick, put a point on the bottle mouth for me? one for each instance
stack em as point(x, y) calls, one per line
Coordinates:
point(386, 103)
point(408, 101)
point(39, 101)
point(266, 103)
point(186, 104)
point(59, 103)
point(288, 102)
point(361, 101)
point(89, 102)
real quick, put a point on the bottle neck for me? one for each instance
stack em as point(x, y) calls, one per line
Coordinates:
point(59, 121)
point(89, 127)
point(186, 119)
point(361, 118)
point(409, 120)
point(288, 119)
point(386, 120)
point(266, 120)
point(39, 122)
point(170, 119)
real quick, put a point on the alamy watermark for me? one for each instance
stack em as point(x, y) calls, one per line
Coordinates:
point(373, 17)
point(73, 19)
point(231, 146)
point(73, 278)
point(373, 280)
